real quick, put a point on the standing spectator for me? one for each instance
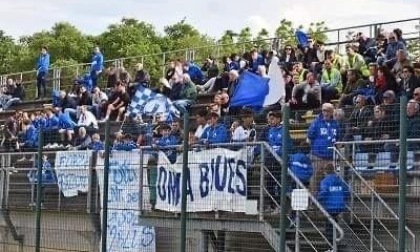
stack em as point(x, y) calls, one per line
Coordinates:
point(142, 76)
point(201, 123)
point(216, 132)
point(42, 67)
point(333, 195)
point(96, 67)
point(165, 141)
point(322, 134)
point(11, 132)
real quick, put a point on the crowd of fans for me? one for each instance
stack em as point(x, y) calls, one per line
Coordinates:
point(365, 84)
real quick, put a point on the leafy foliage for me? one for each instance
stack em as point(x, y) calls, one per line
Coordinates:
point(138, 41)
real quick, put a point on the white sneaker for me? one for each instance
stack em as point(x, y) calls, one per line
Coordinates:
point(54, 146)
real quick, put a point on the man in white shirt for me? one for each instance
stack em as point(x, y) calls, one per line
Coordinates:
point(201, 121)
point(87, 120)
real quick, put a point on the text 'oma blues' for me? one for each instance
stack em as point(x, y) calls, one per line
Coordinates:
point(222, 174)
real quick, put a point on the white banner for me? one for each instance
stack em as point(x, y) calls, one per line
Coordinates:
point(217, 180)
point(125, 232)
point(72, 170)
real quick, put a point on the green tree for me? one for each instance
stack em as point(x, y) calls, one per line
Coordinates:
point(286, 32)
point(318, 31)
point(8, 51)
point(183, 37)
point(244, 39)
point(226, 43)
point(134, 41)
point(262, 39)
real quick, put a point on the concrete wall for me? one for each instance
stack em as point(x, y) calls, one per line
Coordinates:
point(75, 232)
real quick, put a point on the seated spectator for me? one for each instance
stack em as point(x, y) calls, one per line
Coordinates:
point(84, 99)
point(30, 137)
point(409, 82)
point(210, 67)
point(99, 99)
point(66, 128)
point(355, 85)
point(331, 85)
point(360, 117)
point(215, 85)
point(413, 124)
point(118, 103)
point(52, 125)
point(188, 92)
point(257, 60)
point(367, 47)
point(216, 132)
point(389, 59)
point(194, 72)
point(355, 60)
point(13, 93)
point(401, 62)
point(306, 95)
point(288, 57)
point(87, 120)
point(82, 141)
point(385, 81)
point(230, 64)
point(67, 102)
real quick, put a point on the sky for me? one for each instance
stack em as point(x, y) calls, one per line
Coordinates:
point(213, 17)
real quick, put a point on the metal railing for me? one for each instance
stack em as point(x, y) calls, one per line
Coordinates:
point(8, 171)
point(375, 200)
point(336, 37)
point(319, 207)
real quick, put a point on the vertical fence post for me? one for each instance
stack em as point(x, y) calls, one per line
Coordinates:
point(284, 168)
point(39, 192)
point(105, 192)
point(402, 173)
point(185, 148)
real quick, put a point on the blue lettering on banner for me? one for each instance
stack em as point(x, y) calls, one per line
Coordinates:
point(71, 181)
point(124, 231)
point(232, 169)
point(122, 173)
point(222, 174)
point(169, 186)
point(72, 170)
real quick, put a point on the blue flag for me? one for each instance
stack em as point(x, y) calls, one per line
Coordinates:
point(302, 38)
point(147, 102)
point(251, 91)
